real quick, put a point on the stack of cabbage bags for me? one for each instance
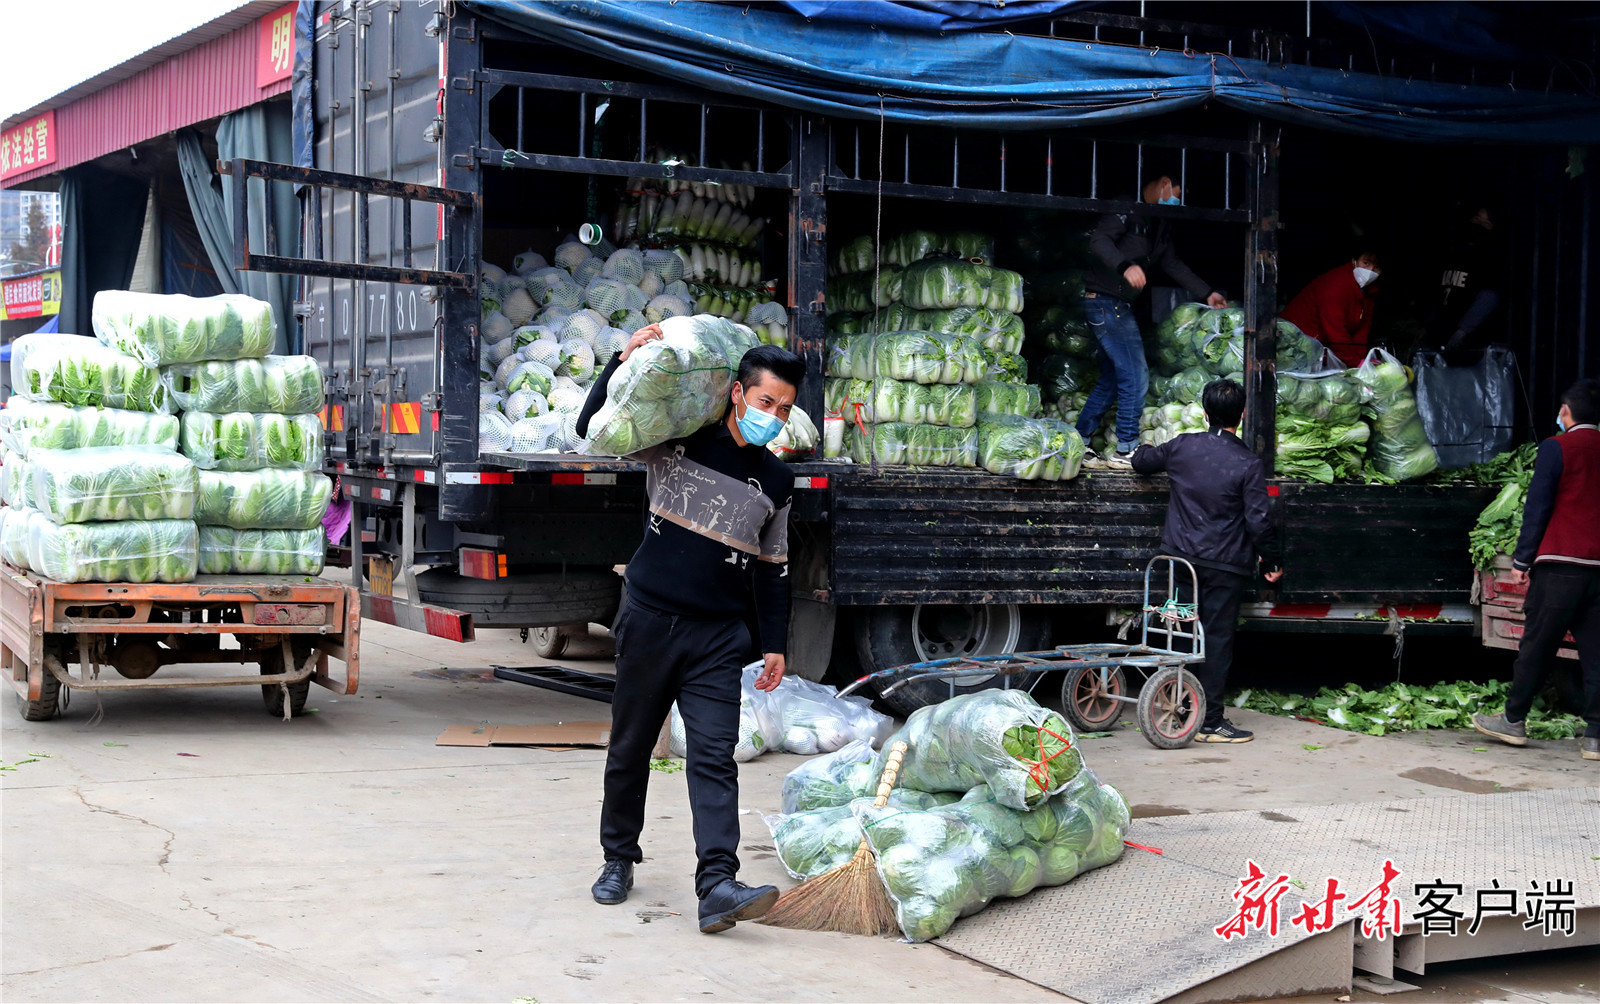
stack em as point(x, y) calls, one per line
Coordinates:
point(1033, 449)
point(993, 800)
point(799, 716)
point(92, 486)
point(672, 386)
point(906, 397)
point(1399, 449)
point(248, 425)
point(1321, 434)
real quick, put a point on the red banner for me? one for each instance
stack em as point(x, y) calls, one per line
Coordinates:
point(275, 46)
point(28, 146)
point(31, 296)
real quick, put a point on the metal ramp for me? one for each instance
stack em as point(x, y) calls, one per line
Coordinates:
point(1141, 930)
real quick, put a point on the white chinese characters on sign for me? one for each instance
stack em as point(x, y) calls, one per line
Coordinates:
point(28, 145)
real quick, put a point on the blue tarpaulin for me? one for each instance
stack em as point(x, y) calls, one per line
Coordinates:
point(929, 15)
point(995, 80)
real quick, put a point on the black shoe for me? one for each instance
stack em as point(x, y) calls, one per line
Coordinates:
point(731, 901)
point(1227, 732)
point(616, 878)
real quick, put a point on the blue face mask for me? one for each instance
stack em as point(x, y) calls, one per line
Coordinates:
point(1560, 424)
point(756, 426)
point(1171, 200)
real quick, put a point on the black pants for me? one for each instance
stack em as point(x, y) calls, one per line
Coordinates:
point(1561, 598)
point(663, 658)
point(1220, 594)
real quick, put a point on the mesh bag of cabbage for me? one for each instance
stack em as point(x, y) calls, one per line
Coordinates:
point(587, 271)
point(539, 434)
point(570, 254)
point(1003, 738)
point(494, 432)
point(525, 403)
point(950, 861)
point(672, 386)
point(665, 264)
point(626, 264)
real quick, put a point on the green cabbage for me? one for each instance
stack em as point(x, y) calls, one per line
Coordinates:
point(996, 398)
point(227, 551)
point(123, 551)
point(896, 443)
point(288, 385)
point(951, 282)
point(45, 425)
point(1313, 450)
point(1034, 449)
point(265, 499)
point(242, 441)
point(80, 371)
point(1399, 449)
point(112, 483)
point(161, 330)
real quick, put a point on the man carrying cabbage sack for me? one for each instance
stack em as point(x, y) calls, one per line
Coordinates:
point(716, 539)
point(1127, 245)
point(1217, 519)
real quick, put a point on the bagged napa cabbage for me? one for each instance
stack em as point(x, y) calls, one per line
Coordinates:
point(864, 291)
point(812, 841)
point(887, 400)
point(14, 536)
point(224, 550)
point(913, 356)
point(998, 398)
point(112, 483)
point(16, 484)
point(1033, 449)
point(244, 441)
point(1002, 738)
point(1330, 396)
point(995, 330)
point(1399, 449)
point(287, 385)
point(1311, 450)
point(896, 443)
point(73, 369)
point(938, 283)
point(163, 550)
point(796, 717)
point(670, 387)
point(163, 329)
point(48, 425)
point(797, 438)
point(264, 500)
point(949, 862)
point(1061, 375)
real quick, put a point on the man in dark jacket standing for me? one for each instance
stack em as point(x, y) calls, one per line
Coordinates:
point(1558, 559)
point(1127, 245)
point(716, 540)
point(1217, 519)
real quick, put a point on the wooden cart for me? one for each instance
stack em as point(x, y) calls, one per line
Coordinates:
point(288, 626)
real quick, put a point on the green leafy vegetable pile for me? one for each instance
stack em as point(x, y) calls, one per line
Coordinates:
point(1500, 523)
point(163, 329)
point(913, 445)
point(1401, 707)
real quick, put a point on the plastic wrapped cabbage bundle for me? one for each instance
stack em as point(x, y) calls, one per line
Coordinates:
point(913, 245)
point(1003, 738)
point(1399, 449)
point(14, 536)
point(896, 443)
point(855, 255)
point(48, 425)
point(862, 291)
point(112, 483)
point(798, 437)
point(1008, 367)
point(162, 329)
point(950, 861)
point(832, 779)
point(759, 728)
point(16, 484)
point(242, 441)
point(1332, 396)
point(812, 717)
point(1314, 450)
point(288, 385)
point(996, 330)
point(812, 841)
point(1186, 386)
point(1033, 449)
point(926, 357)
point(852, 357)
point(672, 386)
point(951, 282)
point(263, 500)
point(73, 369)
point(1060, 375)
point(889, 400)
point(226, 551)
point(1297, 351)
point(164, 550)
point(997, 398)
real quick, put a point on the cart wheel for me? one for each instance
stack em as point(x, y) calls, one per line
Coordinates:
point(1172, 706)
point(272, 694)
point(47, 706)
point(552, 642)
point(1089, 702)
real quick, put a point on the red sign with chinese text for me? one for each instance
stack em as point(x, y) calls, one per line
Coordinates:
point(28, 146)
point(275, 46)
point(31, 296)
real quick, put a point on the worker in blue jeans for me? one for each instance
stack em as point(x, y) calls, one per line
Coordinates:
point(1126, 244)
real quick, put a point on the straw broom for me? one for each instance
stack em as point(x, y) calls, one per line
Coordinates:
point(851, 898)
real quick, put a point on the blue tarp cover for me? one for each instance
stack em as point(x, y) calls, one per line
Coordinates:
point(996, 80)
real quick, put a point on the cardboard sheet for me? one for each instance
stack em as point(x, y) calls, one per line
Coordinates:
point(560, 736)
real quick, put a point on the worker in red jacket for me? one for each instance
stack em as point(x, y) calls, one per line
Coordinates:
point(1335, 308)
point(1558, 559)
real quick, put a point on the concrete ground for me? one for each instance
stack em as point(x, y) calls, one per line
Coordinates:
point(188, 846)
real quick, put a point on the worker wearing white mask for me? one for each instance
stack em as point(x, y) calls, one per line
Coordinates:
point(1335, 308)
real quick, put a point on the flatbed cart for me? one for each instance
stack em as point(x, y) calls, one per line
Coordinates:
point(1170, 704)
point(289, 626)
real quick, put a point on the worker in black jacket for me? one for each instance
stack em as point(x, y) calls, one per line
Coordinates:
point(1128, 244)
point(716, 538)
point(1217, 519)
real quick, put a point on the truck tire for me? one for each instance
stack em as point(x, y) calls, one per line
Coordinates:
point(47, 706)
point(540, 599)
point(553, 642)
point(896, 636)
point(272, 693)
